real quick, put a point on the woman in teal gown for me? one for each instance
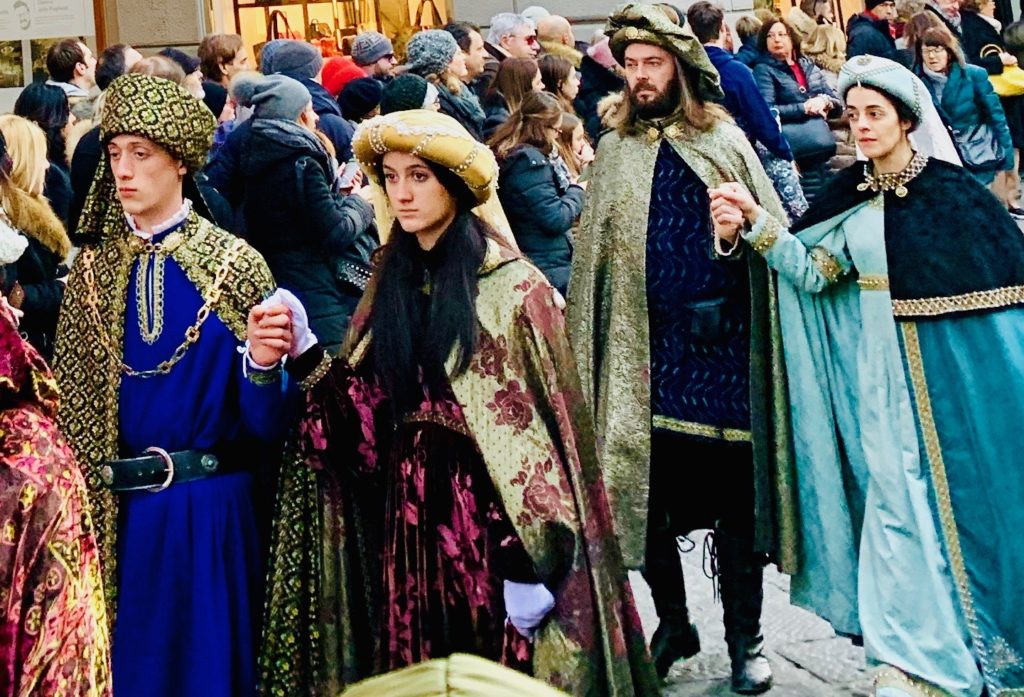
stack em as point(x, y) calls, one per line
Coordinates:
point(901, 295)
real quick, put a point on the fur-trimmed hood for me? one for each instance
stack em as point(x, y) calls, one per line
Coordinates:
point(33, 217)
point(555, 48)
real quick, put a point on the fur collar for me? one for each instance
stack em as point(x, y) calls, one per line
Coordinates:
point(556, 48)
point(34, 218)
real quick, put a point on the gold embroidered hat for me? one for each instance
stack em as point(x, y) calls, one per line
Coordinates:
point(432, 136)
point(161, 111)
point(886, 75)
point(647, 24)
point(158, 110)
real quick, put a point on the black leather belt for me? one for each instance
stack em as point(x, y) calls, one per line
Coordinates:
point(158, 470)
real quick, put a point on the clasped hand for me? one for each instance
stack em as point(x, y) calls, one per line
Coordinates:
point(269, 331)
point(731, 207)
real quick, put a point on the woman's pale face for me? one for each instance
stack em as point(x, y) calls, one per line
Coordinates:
point(779, 44)
point(458, 66)
point(420, 202)
point(571, 86)
point(876, 125)
point(936, 58)
point(538, 82)
point(989, 8)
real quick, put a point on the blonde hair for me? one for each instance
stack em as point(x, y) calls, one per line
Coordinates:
point(26, 145)
point(826, 47)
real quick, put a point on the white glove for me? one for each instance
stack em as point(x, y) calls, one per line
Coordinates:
point(303, 337)
point(527, 604)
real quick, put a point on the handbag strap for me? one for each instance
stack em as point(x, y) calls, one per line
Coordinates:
point(273, 32)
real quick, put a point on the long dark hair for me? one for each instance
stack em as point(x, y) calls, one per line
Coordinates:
point(424, 303)
point(513, 81)
point(46, 106)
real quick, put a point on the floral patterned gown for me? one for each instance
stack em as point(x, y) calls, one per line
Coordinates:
point(448, 543)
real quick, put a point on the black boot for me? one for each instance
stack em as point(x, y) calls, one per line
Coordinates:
point(676, 637)
point(741, 575)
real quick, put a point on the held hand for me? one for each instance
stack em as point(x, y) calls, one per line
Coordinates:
point(727, 220)
point(586, 153)
point(1008, 59)
point(269, 331)
point(737, 196)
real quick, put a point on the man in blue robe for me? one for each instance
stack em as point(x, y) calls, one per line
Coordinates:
point(169, 420)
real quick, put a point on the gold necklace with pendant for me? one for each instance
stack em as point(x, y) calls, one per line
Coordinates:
point(895, 182)
point(149, 284)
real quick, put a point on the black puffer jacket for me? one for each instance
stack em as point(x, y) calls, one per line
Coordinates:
point(302, 227)
point(540, 212)
point(780, 89)
point(39, 270)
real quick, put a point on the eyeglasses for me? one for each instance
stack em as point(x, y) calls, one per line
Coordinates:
point(933, 50)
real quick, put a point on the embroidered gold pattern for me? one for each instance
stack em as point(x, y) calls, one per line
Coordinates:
point(890, 676)
point(321, 369)
point(873, 281)
point(827, 264)
point(768, 237)
point(937, 469)
point(978, 300)
point(690, 428)
point(434, 417)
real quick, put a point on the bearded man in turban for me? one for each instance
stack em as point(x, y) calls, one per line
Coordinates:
point(677, 341)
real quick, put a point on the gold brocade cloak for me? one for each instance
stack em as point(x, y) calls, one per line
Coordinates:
point(608, 324)
point(524, 410)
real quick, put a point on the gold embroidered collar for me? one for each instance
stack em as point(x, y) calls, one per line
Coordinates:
point(893, 181)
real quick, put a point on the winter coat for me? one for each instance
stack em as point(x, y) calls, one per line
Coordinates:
point(975, 34)
point(540, 212)
point(749, 54)
point(744, 101)
point(39, 268)
point(967, 100)
point(870, 36)
point(497, 113)
point(780, 89)
point(596, 83)
point(332, 124)
point(301, 226)
point(84, 162)
point(57, 190)
point(464, 108)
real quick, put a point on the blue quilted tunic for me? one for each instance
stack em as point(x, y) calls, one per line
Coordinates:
point(698, 305)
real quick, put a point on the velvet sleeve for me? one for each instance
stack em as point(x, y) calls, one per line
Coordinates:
point(811, 269)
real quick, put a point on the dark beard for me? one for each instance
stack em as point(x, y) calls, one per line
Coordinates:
point(663, 105)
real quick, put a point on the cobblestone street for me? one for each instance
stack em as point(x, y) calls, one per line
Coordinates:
point(806, 656)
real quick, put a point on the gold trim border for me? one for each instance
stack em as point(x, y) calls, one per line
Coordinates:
point(937, 468)
point(891, 676)
point(966, 302)
point(691, 428)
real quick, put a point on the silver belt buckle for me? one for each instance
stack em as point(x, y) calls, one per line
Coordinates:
point(166, 457)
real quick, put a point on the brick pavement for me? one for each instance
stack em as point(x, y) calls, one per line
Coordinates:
point(808, 659)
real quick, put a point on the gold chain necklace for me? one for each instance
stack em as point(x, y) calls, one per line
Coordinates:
point(893, 181)
point(213, 296)
point(149, 285)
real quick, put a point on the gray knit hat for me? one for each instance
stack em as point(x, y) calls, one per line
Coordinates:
point(370, 46)
point(430, 52)
point(296, 59)
point(271, 96)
